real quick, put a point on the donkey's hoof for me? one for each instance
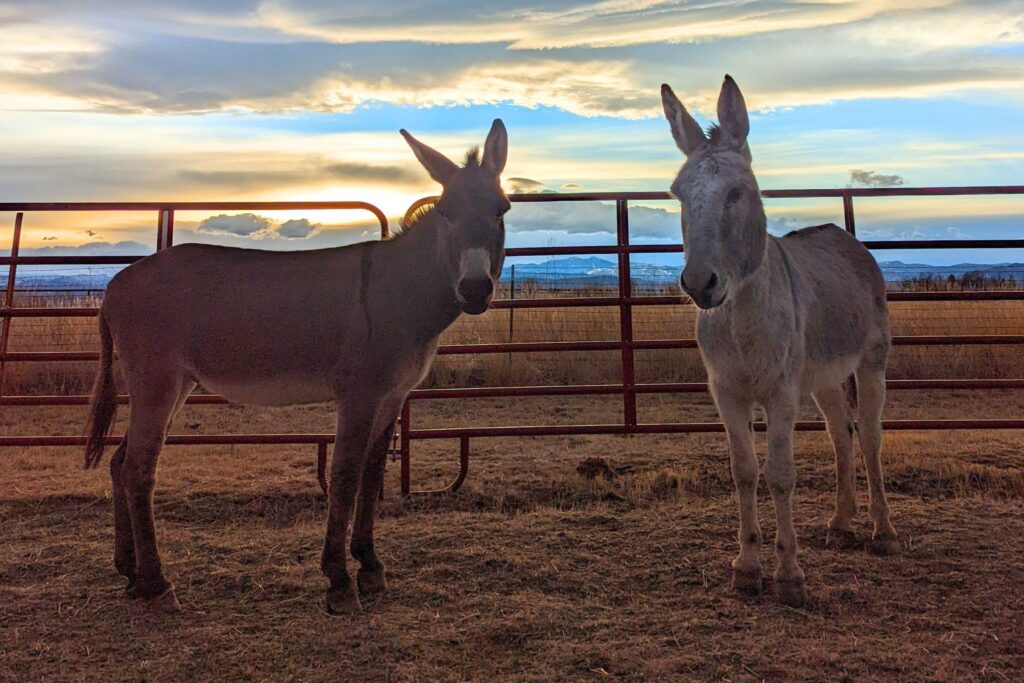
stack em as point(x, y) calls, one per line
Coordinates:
point(791, 592)
point(747, 581)
point(885, 544)
point(371, 583)
point(841, 539)
point(343, 600)
point(165, 603)
point(132, 589)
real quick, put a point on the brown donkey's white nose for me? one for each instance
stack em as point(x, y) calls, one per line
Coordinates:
point(475, 293)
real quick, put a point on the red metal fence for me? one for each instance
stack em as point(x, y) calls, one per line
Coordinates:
point(625, 300)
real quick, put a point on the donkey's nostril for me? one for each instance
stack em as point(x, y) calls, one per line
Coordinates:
point(712, 281)
point(476, 288)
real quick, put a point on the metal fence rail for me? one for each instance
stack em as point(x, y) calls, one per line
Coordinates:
point(625, 300)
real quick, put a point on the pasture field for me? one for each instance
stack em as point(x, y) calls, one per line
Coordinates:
point(574, 324)
point(531, 572)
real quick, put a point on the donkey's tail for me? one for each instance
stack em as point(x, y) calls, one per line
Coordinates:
point(103, 406)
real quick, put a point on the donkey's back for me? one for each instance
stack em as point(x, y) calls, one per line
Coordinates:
point(260, 326)
point(841, 322)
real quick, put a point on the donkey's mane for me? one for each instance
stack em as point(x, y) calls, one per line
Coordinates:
point(409, 221)
point(714, 133)
point(472, 161)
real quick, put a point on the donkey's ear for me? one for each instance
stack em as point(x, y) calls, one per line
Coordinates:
point(732, 114)
point(438, 165)
point(496, 148)
point(686, 131)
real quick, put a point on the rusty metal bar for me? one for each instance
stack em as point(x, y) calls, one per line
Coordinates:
point(551, 390)
point(456, 483)
point(810, 193)
point(160, 230)
point(689, 428)
point(199, 206)
point(404, 428)
point(580, 302)
point(544, 347)
point(169, 229)
point(848, 219)
point(625, 315)
point(12, 277)
point(181, 440)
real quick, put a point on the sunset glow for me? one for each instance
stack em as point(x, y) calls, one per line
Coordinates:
point(302, 100)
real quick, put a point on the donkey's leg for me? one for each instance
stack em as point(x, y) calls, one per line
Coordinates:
point(870, 400)
point(124, 544)
point(371, 573)
point(355, 421)
point(187, 386)
point(780, 474)
point(153, 401)
point(834, 406)
point(736, 414)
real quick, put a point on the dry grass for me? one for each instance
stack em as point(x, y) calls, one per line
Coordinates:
point(574, 324)
point(530, 573)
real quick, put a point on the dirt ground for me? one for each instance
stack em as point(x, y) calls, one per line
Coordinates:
point(531, 572)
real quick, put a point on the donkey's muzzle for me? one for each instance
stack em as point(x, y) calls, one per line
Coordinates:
point(475, 294)
point(703, 286)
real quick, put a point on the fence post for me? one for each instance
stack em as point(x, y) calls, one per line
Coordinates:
point(405, 486)
point(850, 224)
point(851, 227)
point(12, 270)
point(626, 315)
point(164, 229)
point(511, 315)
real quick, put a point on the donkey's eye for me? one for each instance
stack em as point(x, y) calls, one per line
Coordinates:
point(735, 194)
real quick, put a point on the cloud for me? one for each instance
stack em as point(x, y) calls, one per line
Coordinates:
point(252, 226)
point(571, 187)
point(524, 185)
point(602, 58)
point(297, 229)
point(284, 171)
point(590, 218)
point(861, 178)
point(122, 248)
point(242, 225)
point(546, 25)
point(367, 173)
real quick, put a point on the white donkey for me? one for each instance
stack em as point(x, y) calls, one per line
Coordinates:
point(357, 325)
point(779, 318)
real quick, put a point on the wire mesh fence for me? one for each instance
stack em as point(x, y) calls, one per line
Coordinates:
point(585, 323)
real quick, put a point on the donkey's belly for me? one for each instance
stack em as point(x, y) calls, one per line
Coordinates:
point(827, 374)
point(274, 391)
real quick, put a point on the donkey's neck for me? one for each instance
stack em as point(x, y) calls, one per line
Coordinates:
point(422, 284)
point(761, 312)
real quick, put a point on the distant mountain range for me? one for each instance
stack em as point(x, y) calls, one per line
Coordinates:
point(595, 270)
point(574, 271)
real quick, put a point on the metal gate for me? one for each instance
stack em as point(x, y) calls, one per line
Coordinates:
point(625, 344)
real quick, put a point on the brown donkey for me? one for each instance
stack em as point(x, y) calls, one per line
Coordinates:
point(356, 325)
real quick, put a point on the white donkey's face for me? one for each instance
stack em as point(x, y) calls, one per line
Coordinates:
point(722, 215)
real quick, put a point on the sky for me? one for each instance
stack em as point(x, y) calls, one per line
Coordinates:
point(182, 100)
